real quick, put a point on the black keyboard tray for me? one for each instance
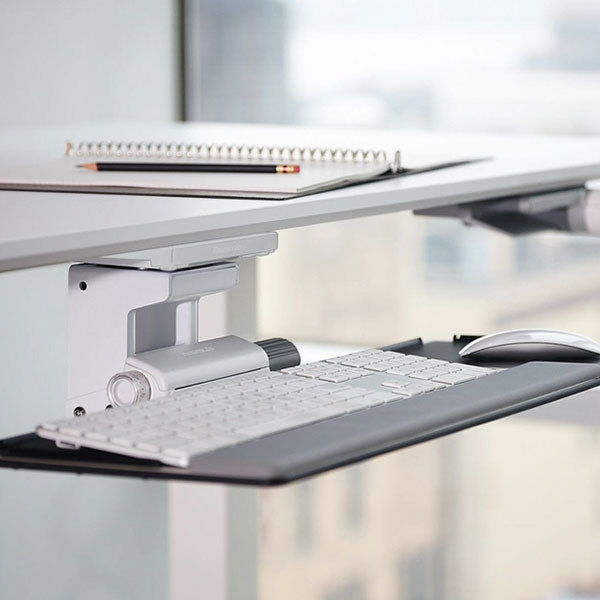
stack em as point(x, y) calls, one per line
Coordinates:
point(319, 447)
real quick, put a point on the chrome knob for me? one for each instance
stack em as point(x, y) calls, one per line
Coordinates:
point(127, 388)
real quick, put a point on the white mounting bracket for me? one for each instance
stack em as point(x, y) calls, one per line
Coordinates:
point(143, 301)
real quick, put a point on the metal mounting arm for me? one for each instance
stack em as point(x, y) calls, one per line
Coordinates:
point(125, 305)
point(572, 209)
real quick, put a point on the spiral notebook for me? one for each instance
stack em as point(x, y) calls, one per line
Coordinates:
point(321, 169)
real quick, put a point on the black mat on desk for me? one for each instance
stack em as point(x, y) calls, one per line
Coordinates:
point(311, 449)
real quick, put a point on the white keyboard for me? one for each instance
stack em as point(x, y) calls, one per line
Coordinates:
point(196, 420)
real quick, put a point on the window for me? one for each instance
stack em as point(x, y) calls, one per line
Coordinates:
point(304, 521)
point(350, 590)
point(464, 65)
point(420, 577)
point(354, 496)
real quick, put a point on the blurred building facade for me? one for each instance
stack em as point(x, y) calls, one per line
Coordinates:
point(484, 514)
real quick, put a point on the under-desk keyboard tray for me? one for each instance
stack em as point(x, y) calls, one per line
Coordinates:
point(334, 413)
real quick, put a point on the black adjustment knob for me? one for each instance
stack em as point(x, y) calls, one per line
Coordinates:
point(282, 353)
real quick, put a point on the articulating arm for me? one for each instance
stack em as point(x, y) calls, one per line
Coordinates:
point(133, 323)
point(573, 209)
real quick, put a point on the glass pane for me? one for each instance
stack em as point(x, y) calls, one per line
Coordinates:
point(508, 510)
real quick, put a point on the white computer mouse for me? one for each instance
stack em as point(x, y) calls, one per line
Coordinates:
point(532, 344)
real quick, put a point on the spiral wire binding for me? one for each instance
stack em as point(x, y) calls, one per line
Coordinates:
point(211, 151)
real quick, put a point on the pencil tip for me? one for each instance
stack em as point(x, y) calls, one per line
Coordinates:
point(91, 166)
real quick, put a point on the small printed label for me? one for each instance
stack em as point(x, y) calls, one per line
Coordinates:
point(200, 350)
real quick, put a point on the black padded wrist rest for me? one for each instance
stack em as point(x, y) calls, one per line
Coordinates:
point(314, 448)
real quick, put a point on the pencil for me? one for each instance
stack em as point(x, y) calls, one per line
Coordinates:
point(190, 167)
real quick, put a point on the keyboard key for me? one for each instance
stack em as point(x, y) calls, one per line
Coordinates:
point(424, 386)
point(305, 384)
point(291, 370)
point(434, 362)
point(454, 378)
point(335, 360)
point(405, 370)
point(96, 436)
point(364, 401)
point(308, 374)
point(359, 361)
point(121, 441)
point(320, 391)
point(395, 383)
point(412, 389)
point(73, 430)
point(296, 385)
point(299, 396)
point(480, 371)
point(435, 372)
point(383, 396)
point(378, 367)
point(350, 393)
point(400, 391)
point(426, 374)
point(354, 374)
point(335, 378)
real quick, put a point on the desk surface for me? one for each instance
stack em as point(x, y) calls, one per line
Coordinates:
point(43, 228)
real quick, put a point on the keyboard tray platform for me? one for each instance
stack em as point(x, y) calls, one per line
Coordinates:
point(311, 449)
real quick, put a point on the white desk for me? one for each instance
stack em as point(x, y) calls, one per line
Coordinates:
point(40, 228)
